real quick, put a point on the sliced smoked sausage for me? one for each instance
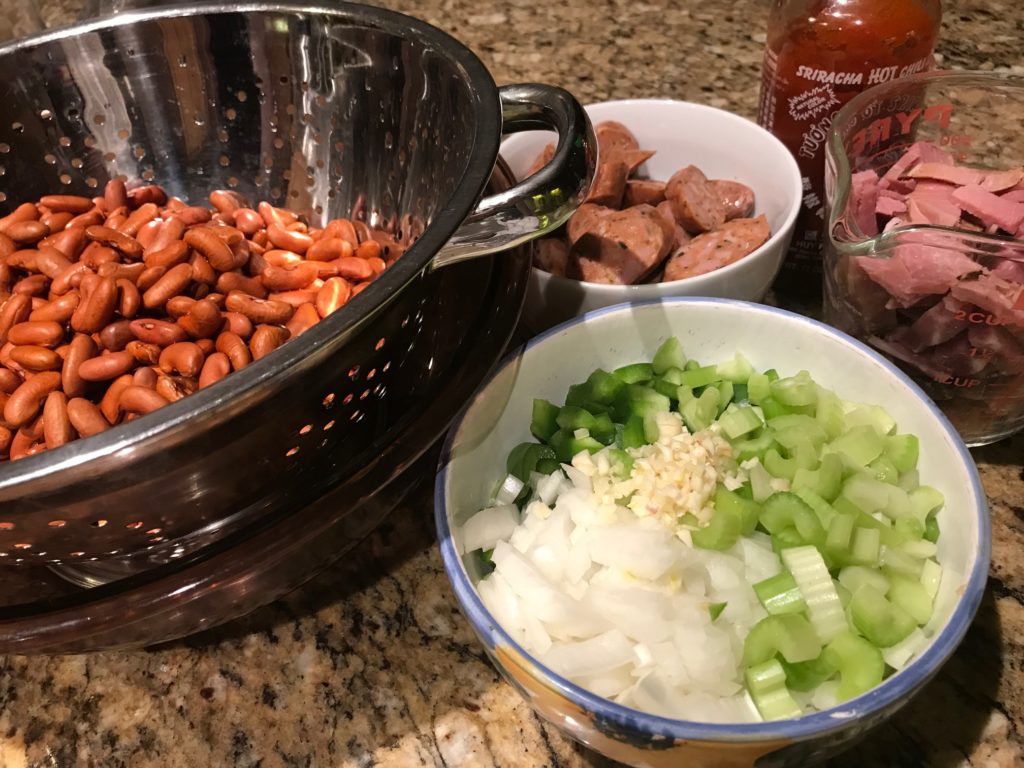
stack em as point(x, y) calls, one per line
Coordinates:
point(626, 246)
point(737, 198)
point(728, 243)
point(695, 201)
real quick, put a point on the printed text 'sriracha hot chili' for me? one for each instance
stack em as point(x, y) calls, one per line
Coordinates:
point(818, 55)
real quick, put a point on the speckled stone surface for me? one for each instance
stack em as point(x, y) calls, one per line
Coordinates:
point(371, 664)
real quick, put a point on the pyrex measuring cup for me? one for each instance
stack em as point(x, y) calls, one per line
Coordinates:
point(960, 337)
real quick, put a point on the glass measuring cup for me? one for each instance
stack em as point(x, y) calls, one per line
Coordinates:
point(960, 337)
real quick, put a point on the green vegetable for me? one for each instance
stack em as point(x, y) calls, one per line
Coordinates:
point(715, 610)
point(858, 662)
point(779, 594)
point(788, 634)
point(878, 619)
point(544, 423)
point(785, 510)
point(807, 675)
point(669, 355)
point(766, 683)
point(637, 373)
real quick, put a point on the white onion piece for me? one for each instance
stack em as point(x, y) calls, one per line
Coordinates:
point(489, 526)
point(509, 491)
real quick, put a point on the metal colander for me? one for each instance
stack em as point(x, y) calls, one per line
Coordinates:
point(333, 111)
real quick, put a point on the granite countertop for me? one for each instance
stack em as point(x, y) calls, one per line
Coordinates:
point(371, 664)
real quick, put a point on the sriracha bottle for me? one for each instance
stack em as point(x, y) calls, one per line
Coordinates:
point(818, 55)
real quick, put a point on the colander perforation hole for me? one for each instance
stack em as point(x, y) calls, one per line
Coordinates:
point(57, 523)
point(50, 159)
point(154, 531)
point(6, 526)
point(371, 373)
point(65, 179)
point(291, 451)
point(365, 394)
point(357, 415)
point(242, 96)
point(348, 399)
point(353, 372)
point(23, 545)
point(230, 114)
point(98, 523)
point(328, 425)
point(386, 367)
point(92, 182)
point(306, 429)
point(328, 401)
point(17, 127)
point(64, 141)
point(3, 196)
point(134, 526)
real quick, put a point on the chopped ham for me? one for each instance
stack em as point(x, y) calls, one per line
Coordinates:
point(1010, 269)
point(916, 270)
point(1014, 196)
point(932, 202)
point(889, 206)
point(936, 325)
point(951, 174)
point(865, 197)
point(1000, 181)
point(1004, 350)
point(990, 208)
point(999, 297)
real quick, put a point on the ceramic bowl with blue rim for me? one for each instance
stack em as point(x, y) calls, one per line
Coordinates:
point(498, 417)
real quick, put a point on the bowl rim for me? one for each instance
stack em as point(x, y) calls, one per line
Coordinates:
point(774, 241)
point(891, 693)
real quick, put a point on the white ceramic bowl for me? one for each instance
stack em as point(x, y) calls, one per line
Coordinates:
point(473, 461)
point(724, 146)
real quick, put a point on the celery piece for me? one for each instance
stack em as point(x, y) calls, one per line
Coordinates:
point(899, 655)
point(807, 675)
point(919, 548)
point(844, 595)
point(760, 482)
point(739, 393)
point(787, 538)
point(858, 662)
point(799, 390)
point(651, 429)
point(715, 610)
point(737, 370)
point(748, 511)
point(700, 413)
point(604, 386)
point(909, 480)
point(912, 597)
point(873, 416)
point(772, 408)
point(883, 470)
point(725, 392)
point(839, 538)
point(829, 413)
point(931, 529)
point(811, 574)
point(910, 527)
point(902, 451)
point(789, 634)
point(865, 546)
point(673, 376)
point(853, 577)
point(799, 424)
point(755, 447)
point(779, 594)
point(899, 562)
point(638, 400)
point(772, 374)
point(825, 481)
point(924, 500)
point(701, 377)
point(684, 395)
point(571, 418)
point(633, 433)
point(544, 422)
point(739, 422)
point(766, 683)
point(636, 373)
point(669, 355)
point(782, 510)
point(691, 365)
point(861, 444)
point(621, 462)
point(758, 388)
point(865, 493)
point(880, 620)
point(778, 466)
point(722, 531)
point(931, 575)
point(821, 508)
point(666, 388)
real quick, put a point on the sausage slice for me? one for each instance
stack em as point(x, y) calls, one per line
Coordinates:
point(712, 250)
point(696, 203)
point(614, 136)
point(640, 191)
point(609, 182)
point(626, 246)
point(552, 255)
point(737, 198)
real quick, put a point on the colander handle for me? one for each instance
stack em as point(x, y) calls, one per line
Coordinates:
point(542, 202)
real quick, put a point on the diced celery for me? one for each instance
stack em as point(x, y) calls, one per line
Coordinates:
point(737, 370)
point(829, 413)
point(821, 507)
point(853, 577)
point(799, 425)
point(633, 432)
point(788, 634)
point(621, 462)
point(604, 386)
point(739, 393)
point(651, 429)
point(722, 531)
point(772, 408)
point(931, 529)
point(844, 594)
point(669, 355)
point(910, 527)
point(931, 575)
point(902, 451)
point(778, 466)
point(884, 470)
point(859, 663)
point(772, 374)
point(739, 421)
point(755, 447)
point(684, 394)
point(787, 538)
point(899, 655)
point(779, 594)
point(701, 377)
point(866, 494)
point(912, 597)
point(865, 547)
point(638, 400)
point(840, 535)
point(760, 482)
point(748, 511)
point(673, 376)
point(807, 675)
point(799, 390)
point(898, 561)
point(758, 388)
point(544, 422)
point(811, 574)
point(636, 373)
point(881, 621)
point(782, 510)
point(766, 683)
point(691, 365)
point(725, 392)
point(664, 387)
point(715, 610)
point(698, 414)
point(871, 416)
point(924, 500)
point(861, 444)
point(825, 481)
point(909, 480)
point(920, 549)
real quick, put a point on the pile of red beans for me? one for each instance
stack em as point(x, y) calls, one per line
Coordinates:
point(113, 306)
